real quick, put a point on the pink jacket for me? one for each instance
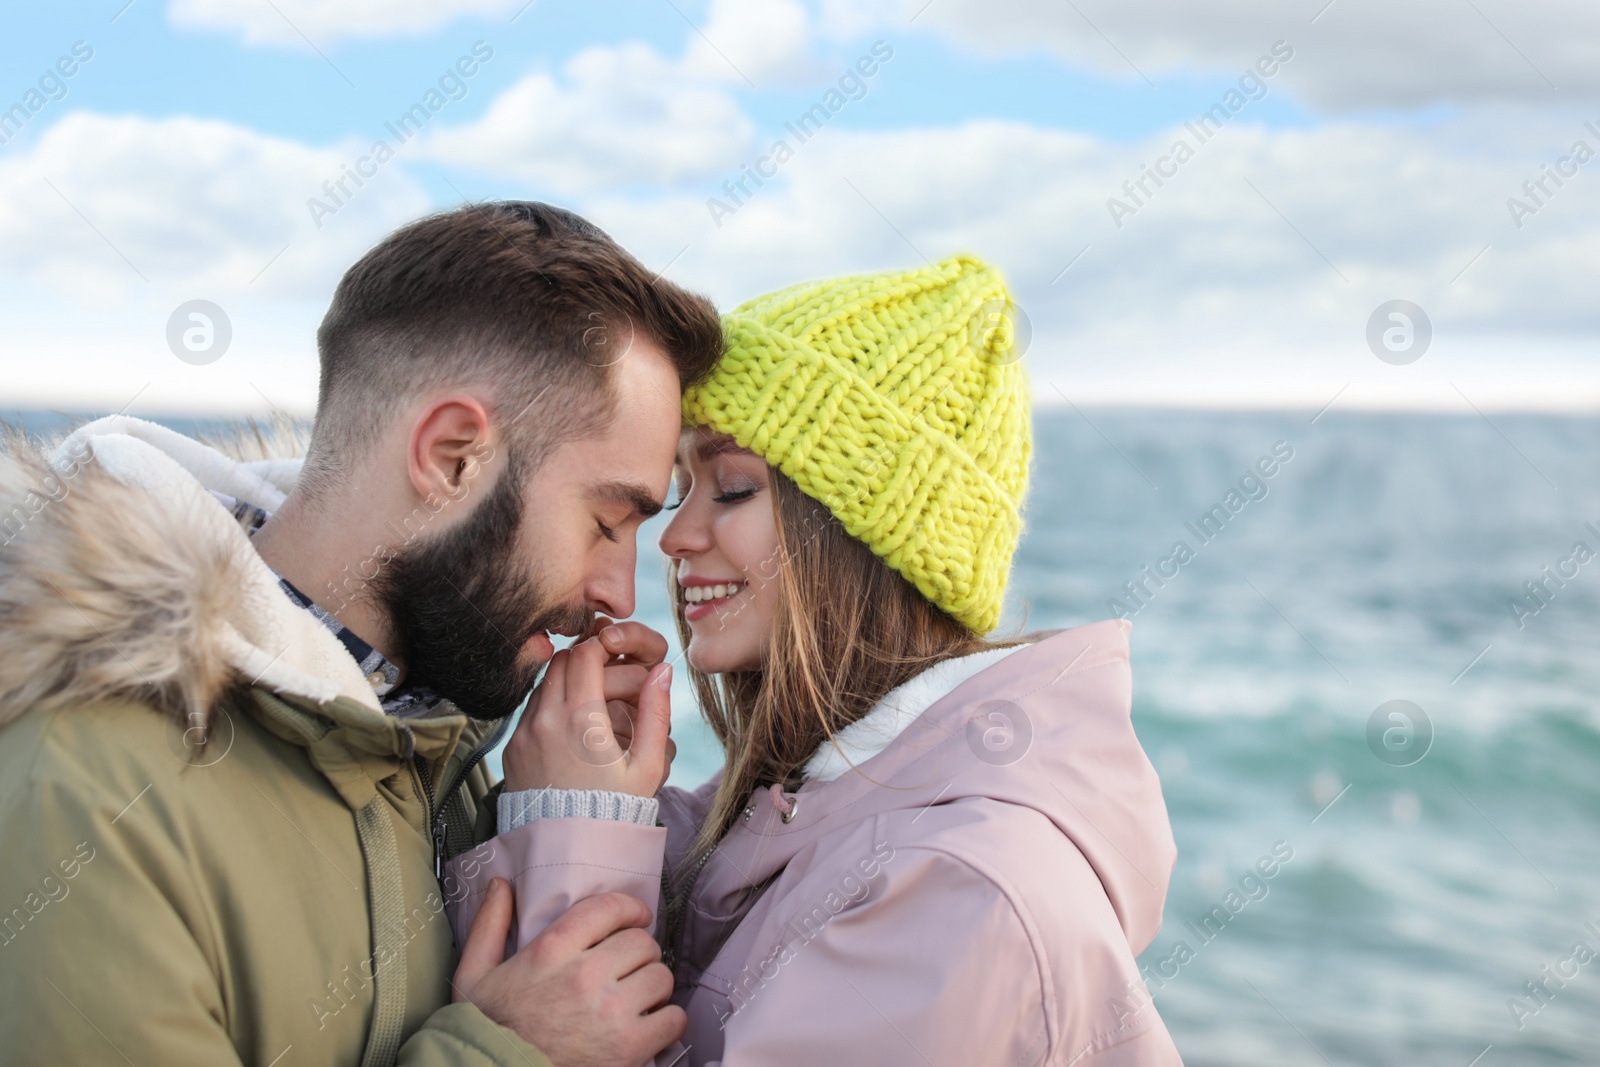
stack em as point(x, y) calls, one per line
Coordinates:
point(948, 902)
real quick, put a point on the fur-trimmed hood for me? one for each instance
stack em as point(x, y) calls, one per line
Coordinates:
point(122, 577)
point(231, 881)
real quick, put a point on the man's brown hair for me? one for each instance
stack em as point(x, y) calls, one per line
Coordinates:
point(528, 301)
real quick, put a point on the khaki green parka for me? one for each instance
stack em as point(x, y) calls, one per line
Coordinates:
point(215, 847)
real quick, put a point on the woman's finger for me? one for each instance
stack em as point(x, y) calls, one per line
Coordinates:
point(623, 681)
point(621, 713)
point(648, 755)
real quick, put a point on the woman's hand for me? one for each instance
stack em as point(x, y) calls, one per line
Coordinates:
point(605, 692)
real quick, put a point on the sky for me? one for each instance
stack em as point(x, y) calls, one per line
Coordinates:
point(1356, 153)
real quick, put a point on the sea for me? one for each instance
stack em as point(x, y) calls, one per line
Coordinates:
point(1374, 672)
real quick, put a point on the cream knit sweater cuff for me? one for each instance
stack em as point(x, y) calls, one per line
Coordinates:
point(525, 805)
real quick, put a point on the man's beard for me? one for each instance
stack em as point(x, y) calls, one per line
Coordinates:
point(462, 608)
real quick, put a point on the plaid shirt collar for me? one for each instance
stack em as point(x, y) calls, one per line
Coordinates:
point(397, 698)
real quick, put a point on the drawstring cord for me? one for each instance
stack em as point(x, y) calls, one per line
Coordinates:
point(678, 898)
point(788, 807)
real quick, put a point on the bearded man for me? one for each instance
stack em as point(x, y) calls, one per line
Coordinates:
point(244, 705)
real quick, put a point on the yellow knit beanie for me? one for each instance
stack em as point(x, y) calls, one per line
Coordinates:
point(897, 401)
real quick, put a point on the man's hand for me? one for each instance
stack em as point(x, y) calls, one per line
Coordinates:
point(600, 719)
point(590, 991)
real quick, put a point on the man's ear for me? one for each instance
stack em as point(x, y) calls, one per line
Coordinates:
point(447, 441)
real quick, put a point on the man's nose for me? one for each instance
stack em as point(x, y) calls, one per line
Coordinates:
point(612, 593)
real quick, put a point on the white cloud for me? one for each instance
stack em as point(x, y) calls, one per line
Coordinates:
point(615, 117)
point(624, 115)
point(1207, 293)
point(764, 41)
point(108, 208)
point(850, 20)
point(1357, 53)
point(318, 23)
point(59, 357)
point(1214, 290)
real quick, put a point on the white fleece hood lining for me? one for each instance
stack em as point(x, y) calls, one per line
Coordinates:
point(267, 638)
point(899, 708)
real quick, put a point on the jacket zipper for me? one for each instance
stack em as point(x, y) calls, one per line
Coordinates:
point(436, 816)
point(427, 788)
point(678, 908)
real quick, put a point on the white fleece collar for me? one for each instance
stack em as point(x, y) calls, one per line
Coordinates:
point(267, 638)
point(872, 733)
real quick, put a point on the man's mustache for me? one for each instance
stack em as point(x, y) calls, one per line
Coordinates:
point(570, 619)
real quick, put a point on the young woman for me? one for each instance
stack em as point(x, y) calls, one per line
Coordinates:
point(925, 846)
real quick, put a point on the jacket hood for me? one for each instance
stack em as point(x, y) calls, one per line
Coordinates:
point(121, 576)
point(1046, 727)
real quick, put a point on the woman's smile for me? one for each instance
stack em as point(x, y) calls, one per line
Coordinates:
point(708, 596)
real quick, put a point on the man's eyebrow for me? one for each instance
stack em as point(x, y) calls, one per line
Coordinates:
point(632, 494)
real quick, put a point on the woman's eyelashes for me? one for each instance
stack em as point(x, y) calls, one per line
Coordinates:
point(731, 490)
point(731, 497)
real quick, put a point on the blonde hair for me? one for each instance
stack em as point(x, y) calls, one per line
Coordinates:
point(847, 629)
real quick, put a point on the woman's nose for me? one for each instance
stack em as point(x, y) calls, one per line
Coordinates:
point(685, 534)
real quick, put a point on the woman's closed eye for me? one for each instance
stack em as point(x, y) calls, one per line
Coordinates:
point(731, 497)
